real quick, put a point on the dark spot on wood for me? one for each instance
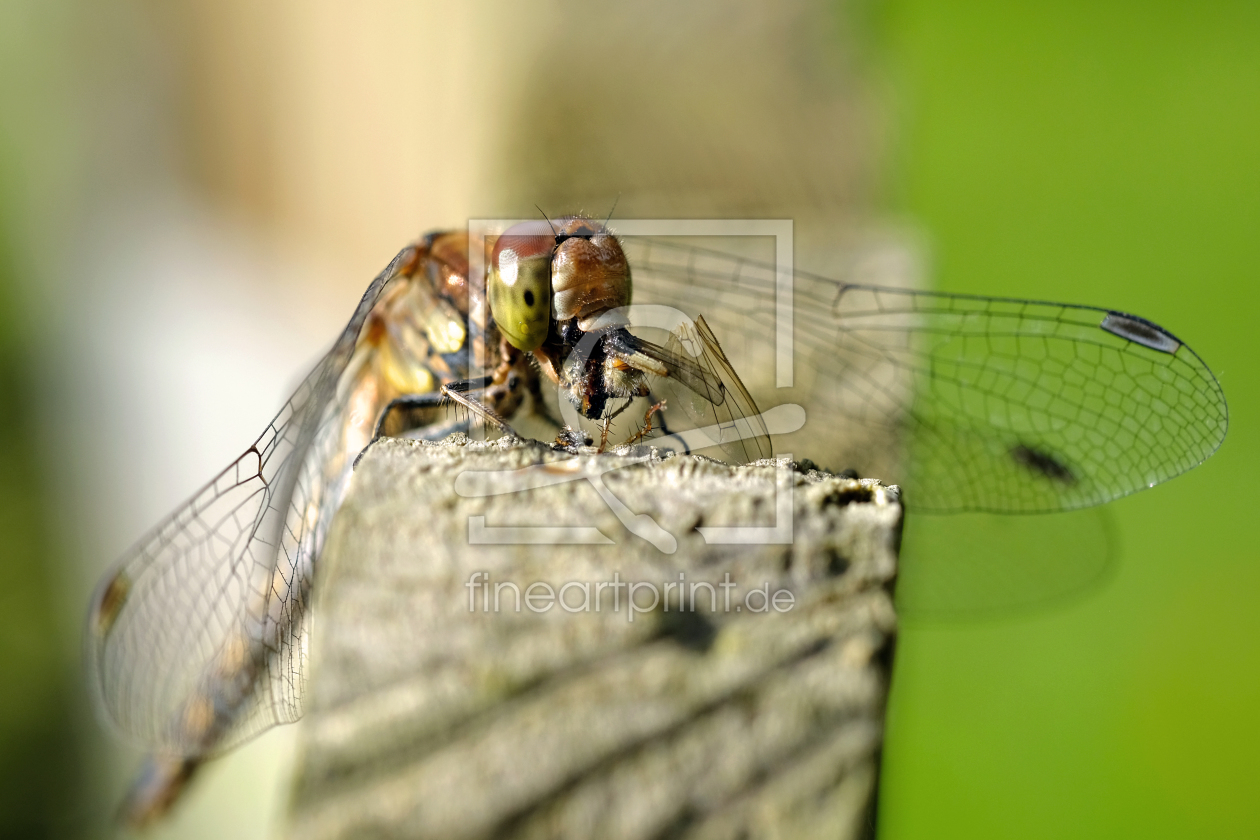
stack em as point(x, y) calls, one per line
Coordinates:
point(816, 647)
point(807, 465)
point(884, 655)
point(688, 628)
point(680, 826)
point(842, 496)
point(837, 563)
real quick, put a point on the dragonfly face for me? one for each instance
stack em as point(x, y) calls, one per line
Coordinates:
point(547, 275)
point(548, 285)
point(197, 637)
point(553, 284)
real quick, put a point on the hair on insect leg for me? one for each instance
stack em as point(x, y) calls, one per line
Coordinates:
point(620, 409)
point(647, 422)
point(460, 392)
point(605, 426)
point(606, 423)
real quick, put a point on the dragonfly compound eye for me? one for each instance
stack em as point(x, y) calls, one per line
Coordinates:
point(590, 274)
point(519, 284)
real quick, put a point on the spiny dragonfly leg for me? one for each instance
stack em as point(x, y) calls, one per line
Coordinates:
point(657, 410)
point(462, 393)
point(404, 413)
point(655, 417)
point(603, 433)
point(399, 416)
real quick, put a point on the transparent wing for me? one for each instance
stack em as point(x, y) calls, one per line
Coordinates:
point(681, 363)
point(729, 408)
point(197, 638)
point(971, 403)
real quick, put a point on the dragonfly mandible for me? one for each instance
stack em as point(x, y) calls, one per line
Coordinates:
point(197, 638)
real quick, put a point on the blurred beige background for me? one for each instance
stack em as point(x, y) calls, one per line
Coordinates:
point(206, 188)
point(347, 132)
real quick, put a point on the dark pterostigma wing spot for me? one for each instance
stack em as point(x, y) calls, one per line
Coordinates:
point(109, 601)
point(1141, 331)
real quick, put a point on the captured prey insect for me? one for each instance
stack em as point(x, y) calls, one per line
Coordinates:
point(197, 639)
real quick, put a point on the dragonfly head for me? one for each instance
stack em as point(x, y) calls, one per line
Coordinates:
point(543, 271)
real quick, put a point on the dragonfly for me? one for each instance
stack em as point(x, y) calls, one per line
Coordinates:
point(197, 638)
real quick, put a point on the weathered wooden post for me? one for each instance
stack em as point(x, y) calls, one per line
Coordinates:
point(473, 679)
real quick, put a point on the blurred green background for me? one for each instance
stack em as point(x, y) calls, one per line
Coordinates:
point(1104, 153)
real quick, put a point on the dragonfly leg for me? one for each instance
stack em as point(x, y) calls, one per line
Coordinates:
point(462, 393)
point(398, 417)
point(603, 433)
point(399, 407)
point(403, 413)
point(657, 409)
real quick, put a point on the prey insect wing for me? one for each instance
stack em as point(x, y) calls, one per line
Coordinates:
point(717, 398)
point(197, 638)
point(681, 367)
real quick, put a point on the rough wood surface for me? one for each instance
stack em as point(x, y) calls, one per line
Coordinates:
point(430, 719)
